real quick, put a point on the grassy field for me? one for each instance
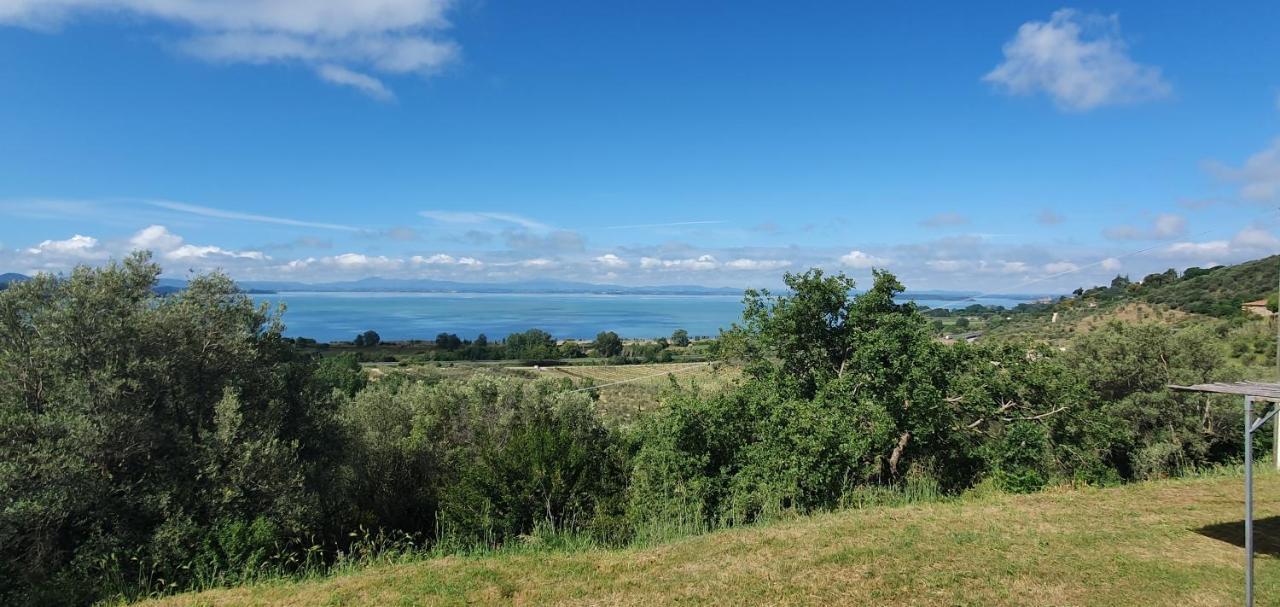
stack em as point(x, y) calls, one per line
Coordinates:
point(1158, 543)
point(625, 393)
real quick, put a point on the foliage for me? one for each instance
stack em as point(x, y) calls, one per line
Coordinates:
point(607, 344)
point(850, 390)
point(137, 428)
point(534, 344)
point(152, 442)
point(494, 457)
point(1129, 368)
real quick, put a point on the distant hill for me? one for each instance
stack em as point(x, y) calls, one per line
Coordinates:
point(11, 277)
point(1193, 296)
point(1216, 291)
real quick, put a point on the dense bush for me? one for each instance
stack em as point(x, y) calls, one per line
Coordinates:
point(150, 443)
point(479, 460)
point(148, 438)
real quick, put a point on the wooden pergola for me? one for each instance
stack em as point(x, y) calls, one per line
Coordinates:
point(1251, 391)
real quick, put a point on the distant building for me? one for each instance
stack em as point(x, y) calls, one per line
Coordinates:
point(1257, 307)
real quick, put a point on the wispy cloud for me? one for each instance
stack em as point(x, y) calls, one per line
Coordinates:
point(239, 216)
point(669, 224)
point(342, 40)
point(1079, 60)
point(362, 82)
point(483, 217)
point(861, 261)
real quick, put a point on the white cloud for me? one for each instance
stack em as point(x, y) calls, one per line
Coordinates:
point(78, 247)
point(947, 265)
point(1060, 267)
point(699, 264)
point(538, 263)
point(155, 238)
point(188, 252)
point(441, 259)
point(1079, 60)
point(858, 259)
point(1200, 250)
point(387, 36)
point(1014, 267)
point(609, 260)
point(1247, 243)
point(757, 264)
point(1255, 238)
point(1110, 264)
point(160, 241)
point(362, 82)
point(346, 262)
point(1259, 176)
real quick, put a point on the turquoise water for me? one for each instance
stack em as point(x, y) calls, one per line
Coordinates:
point(399, 316)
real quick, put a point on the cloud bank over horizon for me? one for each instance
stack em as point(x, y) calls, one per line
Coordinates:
point(502, 247)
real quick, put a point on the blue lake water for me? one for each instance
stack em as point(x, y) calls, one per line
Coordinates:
point(400, 316)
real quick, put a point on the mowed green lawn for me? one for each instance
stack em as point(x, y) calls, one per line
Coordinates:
point(1159, 543)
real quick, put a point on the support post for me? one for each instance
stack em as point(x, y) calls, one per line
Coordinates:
point(1248, 501)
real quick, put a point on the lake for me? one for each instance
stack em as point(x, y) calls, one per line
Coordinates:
point(330, 316)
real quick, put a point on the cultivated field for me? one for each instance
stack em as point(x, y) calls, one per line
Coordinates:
point(623, 391)
point(1157, 543)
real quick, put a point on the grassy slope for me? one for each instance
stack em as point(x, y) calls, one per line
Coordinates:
point(1075, 320)
point(1135, 545)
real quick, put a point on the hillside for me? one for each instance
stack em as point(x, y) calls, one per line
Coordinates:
point(1165, 297)
point(1153, 543)
point(1217, 291)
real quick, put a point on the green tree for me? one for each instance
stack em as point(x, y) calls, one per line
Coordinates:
point(368, 339)
point(534, 344)
point(166, 435)
point(342, 372)
point(1129, 368)
point(448, 342)
point(680, 338)
point(607, 344)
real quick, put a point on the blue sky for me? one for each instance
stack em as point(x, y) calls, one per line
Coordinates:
point(993, 146)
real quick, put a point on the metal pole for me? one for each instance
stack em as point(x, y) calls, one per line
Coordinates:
point(1248, 501)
